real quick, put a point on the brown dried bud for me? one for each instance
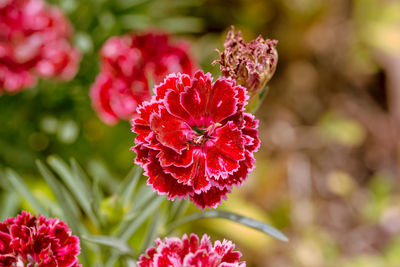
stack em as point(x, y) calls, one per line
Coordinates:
point(251, 64)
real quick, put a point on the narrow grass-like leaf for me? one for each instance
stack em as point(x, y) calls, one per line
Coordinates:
point(137, 221)
point(94, 193)
point(74, 185)
point(118, 244)
point(69, 209)
point(97, 169)
point(24, 191)
point(151, 232)
point(97, 195)
point(178, 208)
point(263, 227)
point(112, 259)
point(142, 197)
point(10, 202)
point(127, 192)
point(82, 178)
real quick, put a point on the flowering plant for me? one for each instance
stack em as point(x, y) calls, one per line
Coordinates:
point(194, 141)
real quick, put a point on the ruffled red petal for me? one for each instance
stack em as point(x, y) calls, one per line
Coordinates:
point(176, 252)
point(39, 241)
point(222, 102)
point(210, 198)
point(170, 157)
point(195, 99)
point(225, 152)
point(163, 182)
point(239, 176)
point(171, 131)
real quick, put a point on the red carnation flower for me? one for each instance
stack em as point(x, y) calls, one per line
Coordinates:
point(34, 42)
point(189, 252)
point(127, 64)
point(27, 240)
point(193, 138)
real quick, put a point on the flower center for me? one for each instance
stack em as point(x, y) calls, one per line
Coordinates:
point(203, 134)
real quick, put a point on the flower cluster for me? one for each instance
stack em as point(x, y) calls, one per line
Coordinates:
point(194, 138)
point(189, 252)
point(34, 42)
point(27, 240)
point(251, 64)
point(128, 63)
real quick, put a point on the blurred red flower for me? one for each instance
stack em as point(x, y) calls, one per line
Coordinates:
point(193, 138)
point(127, 64)
point(190, 252)
point(34, 42)
point(27, 240)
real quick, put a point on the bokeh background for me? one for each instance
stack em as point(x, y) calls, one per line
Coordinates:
point(328, 167)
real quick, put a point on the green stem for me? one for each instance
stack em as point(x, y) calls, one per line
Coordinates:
point(260, 226)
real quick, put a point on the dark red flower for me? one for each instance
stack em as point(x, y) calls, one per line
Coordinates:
point(27, 240)
point(128, 62)
point(34, 42)
point(189, 252)
point(193, 138)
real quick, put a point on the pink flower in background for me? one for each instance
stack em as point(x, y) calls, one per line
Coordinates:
point(189, 252)
point(34, 42)
point(127, 64)
point(27, 240)
point(193, 138)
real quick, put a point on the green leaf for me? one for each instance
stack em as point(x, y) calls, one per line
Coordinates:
point(118, 244)
point(178, 208)
point(98, 170)
point(97, 195)
point(94, 194)
point(69, 208)
point(142, 197)
point(255, 102)
point(24, 191)
point(151, 232)
point(74, 185)
point(83, 179)
point(137, 221)
point(10, 203)
point(260, 226)
point(128, 187)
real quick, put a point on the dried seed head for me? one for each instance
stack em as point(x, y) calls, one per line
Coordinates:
point(251, 64)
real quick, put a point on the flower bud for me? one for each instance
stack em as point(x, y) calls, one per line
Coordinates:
point(251, 64)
